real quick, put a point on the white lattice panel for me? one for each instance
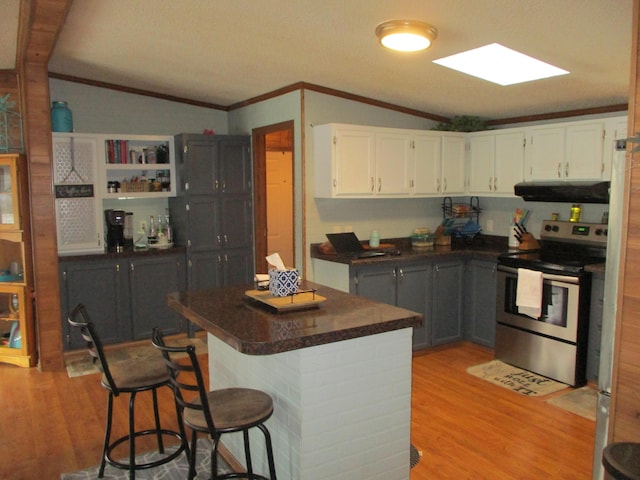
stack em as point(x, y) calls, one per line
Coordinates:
point(79, 224)
point(74, 161)
point(73, 228)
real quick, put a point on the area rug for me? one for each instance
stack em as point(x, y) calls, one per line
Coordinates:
point(82, 364)
point(414, 456)
point(178, 469)
point(515, 379)
point(581, 401)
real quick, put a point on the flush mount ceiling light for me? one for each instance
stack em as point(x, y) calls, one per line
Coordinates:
point(501, 65)
point(406, 35)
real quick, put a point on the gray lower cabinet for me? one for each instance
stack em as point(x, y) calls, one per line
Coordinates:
point(103, 286)
point(150, 280)
point(446, 299)
point(480, 301)
point(125, 297)
point(456, 296)
point(403, 285)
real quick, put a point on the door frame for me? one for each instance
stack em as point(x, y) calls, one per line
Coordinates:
point(258, 140)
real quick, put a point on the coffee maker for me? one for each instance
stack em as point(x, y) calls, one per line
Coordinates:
point(115, 230)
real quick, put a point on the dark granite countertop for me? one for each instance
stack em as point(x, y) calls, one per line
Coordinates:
point(486, 246)
point(125, 254)
point(251, 328)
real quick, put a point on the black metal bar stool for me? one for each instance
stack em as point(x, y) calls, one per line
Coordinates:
point(132, 377)
point(621, 460)
point(216, 412)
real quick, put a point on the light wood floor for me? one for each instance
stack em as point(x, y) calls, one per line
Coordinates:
point(468, 428)
point(465, 427)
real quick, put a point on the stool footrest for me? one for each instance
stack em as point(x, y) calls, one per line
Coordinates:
point(141, 466)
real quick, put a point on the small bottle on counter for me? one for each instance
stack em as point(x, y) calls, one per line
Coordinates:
point(152, 236)
point(374, 239)
point(575, 213)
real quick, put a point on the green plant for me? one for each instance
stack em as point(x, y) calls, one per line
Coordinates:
point(462, 123)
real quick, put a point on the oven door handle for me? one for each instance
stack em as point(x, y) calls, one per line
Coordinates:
point(545, 276)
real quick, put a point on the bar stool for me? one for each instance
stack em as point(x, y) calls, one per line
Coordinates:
point(621, 460)
point(129, 376)
point(216, 412)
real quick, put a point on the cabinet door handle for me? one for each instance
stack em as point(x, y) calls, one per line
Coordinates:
point(559, 169)
point(490, 187)
point(224, 186)
point(218, 239)
point(445, 184)
point(401, 273)
point(379, 184)
point(438, 185)
point(225, 239)
point(219, 259)
point(566, 170)
point(495, 183)
point(437, 268)
point(226, 258)
point(372, 184)
point(216, 185)
point(186, 186)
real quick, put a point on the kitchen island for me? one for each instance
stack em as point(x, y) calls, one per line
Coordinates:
point(339, 374)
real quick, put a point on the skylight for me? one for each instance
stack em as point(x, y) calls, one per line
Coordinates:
point(499, 64)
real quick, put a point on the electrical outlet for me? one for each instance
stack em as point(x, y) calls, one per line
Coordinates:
point(143, 225)
point(490, 225)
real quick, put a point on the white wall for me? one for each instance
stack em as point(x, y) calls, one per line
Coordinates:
point(284, 108)
point(101, 110)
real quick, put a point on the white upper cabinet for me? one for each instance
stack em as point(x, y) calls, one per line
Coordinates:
point(584, 158)
point(453, 164)
point(616, 128)
point(344, 163)
point(496, 162)
point(355, 161)
point(427, 164)
point(573, 151)
point(352, 161)
point(394, 159)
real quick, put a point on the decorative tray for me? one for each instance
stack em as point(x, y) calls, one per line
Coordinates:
point(160, 246)
point(302, 300)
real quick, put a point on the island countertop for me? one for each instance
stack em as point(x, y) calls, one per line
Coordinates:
point(252, 328)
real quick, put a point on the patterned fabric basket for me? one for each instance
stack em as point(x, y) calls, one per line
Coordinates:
point(134, 187)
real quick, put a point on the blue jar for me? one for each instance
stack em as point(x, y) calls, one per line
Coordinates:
point(61, 118)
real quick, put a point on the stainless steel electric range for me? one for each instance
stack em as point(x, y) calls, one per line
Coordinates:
point(555, 344)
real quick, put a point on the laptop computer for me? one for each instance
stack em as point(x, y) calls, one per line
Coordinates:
point(348, 245)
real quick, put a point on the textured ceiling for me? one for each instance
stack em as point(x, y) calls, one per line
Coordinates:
point(227, 51)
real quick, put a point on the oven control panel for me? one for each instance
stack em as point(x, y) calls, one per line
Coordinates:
point(575, 232)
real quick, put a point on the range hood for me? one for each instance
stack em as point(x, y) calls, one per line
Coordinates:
point(568, 192)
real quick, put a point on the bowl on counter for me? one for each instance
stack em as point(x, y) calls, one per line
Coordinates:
point(422, 240)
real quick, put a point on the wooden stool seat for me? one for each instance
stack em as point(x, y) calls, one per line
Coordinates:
point(622, 460)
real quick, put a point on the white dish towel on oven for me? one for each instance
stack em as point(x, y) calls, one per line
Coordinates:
point(529, 293)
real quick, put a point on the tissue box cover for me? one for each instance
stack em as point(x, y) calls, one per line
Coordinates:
point(283, 282)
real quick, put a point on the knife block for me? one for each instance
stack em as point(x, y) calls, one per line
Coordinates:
point(528, 242)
